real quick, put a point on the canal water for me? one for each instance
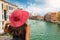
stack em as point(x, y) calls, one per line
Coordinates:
point(41, 30)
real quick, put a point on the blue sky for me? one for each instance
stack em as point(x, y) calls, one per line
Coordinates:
point(37, 7)
point(22, 2)
point(26, 2)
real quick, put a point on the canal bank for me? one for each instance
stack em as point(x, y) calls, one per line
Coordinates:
point(41, 30)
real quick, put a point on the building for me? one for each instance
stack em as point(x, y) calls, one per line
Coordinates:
point(5, 10)
point(53, 17)
point(58, 16)
point(33, 17)
point(40, 17)
point(47, 17)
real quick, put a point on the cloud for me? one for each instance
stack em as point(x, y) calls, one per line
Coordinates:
point(51, 6)
point(53, 3)
point(34, 8)
point(20, 5)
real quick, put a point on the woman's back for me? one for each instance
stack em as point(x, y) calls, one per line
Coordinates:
point(18, 33)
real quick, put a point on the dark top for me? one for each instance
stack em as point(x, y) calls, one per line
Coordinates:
point(17, 33)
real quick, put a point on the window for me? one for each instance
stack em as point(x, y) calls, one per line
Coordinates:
point(5, 14)
point(10, 8)
point(2, 16)
point(2, 6)
point(7, 7)
point(54, 20)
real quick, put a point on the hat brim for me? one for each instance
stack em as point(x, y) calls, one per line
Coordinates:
point(23, 19)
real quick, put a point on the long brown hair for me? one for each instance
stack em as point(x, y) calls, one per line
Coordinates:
point(18, 30)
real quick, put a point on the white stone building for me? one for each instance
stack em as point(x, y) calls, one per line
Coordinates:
point(5, 10)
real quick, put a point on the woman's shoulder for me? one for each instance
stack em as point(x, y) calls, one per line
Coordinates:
point(28, 26)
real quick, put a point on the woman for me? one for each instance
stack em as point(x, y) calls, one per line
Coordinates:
point(17, 26)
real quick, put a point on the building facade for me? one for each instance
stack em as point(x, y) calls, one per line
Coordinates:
point(47, 17)
point(58, 16)
point(53, 17)
point(5, 10)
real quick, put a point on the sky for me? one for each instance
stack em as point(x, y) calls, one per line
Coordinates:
point(37, 7)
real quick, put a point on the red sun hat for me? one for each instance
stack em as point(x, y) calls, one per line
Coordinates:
point(18, 17)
